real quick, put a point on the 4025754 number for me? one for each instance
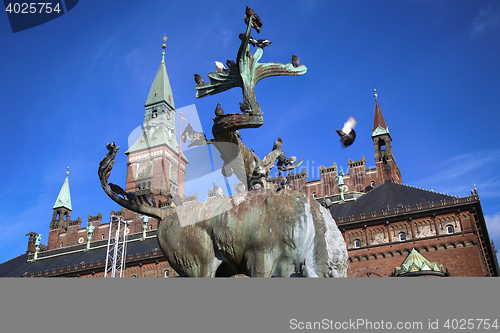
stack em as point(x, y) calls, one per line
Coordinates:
point(471, 324)
point(32, 8)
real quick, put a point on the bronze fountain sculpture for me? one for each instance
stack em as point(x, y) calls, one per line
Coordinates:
point(260, 232)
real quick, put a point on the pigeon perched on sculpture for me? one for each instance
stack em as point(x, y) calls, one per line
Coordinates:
point(295, 61)
point(263, 43)
point(231, 64)
point(245, 108)
point(251, 40)
point(219, 66)
point(347, 133)
point(256, 22)
point(219, 111)
point(117, 189)
point(198, 79)
point(278, 144)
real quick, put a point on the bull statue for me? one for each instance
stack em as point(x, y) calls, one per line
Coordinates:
point(258, 233)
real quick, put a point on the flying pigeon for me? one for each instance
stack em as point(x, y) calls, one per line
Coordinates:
point(295, 61)
point(256, 22)
point(198, 79)
point(347, 134)
point(219, 111)
point(251, 40)
point(263, 43)
point(231, 64)
point(278, 144)
point(220, 66)
point(187, 133)
point(117, 190)
point(245, 108)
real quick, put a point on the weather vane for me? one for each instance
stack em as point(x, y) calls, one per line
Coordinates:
point(164, 39)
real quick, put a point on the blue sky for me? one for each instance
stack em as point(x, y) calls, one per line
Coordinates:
point(72, 85)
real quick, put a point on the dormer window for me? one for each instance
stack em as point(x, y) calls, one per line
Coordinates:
point(357, 243)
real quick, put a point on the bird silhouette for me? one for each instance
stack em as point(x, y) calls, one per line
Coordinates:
point(295, 60)
point(347, 133)
point(256, 21)
point(219, 111)
point(278, 144)
point(245, 108)
point(198, 79)
point(219, 66)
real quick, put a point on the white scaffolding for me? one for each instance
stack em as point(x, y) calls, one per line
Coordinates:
point(117, 247)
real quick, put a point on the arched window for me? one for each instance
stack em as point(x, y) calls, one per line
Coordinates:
point(167, 273)
point(150, 227)
point(314, 194)
point(450, 229)
point(61, 245)
point(402, 236)
point(357, 243)
point(102, 236)
point(133, 276)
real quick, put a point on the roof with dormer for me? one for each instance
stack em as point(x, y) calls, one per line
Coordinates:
point(64, 197)
point(416, 264)
point(387, 196)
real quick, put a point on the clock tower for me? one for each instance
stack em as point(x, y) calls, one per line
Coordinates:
point(153, 160)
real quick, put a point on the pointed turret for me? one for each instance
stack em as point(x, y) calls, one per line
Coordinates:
point(64, 197)
point(160, 89)
point(416, 264)
point(379, 126)
point(387, 168)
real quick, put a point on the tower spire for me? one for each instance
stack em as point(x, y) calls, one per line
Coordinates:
point(379, 125)
point(64, 197)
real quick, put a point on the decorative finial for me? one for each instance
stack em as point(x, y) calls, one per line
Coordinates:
point(375, 93)
point(67, 171)
point(164, 39)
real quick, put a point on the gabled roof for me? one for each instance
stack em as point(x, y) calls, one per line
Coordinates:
point(64, 197)
point(389, 195)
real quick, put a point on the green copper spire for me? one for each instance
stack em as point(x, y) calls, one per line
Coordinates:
point(64, 198)
point(160, 90)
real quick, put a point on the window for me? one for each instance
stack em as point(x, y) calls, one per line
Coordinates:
point(314, 194)
point(450, 229)
point(150, 227)
point(357, 243)
point(402, 236)
point(167, 273)
point(61, 245)
point(134, 276)
point(102, 236)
